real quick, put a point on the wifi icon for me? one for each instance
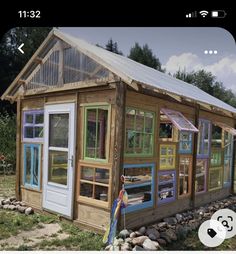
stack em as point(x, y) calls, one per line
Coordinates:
point(203, 13)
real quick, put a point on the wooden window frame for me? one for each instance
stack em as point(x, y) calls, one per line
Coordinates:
point(189, 176)
point(147, 204)
point(143, 132)
point(31, 185)
point(161, 202)
point(173, 145)
point(33, 125)
point(104, 106)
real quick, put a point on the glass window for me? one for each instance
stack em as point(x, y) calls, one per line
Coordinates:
point(216, 157)
point(185, 142)
point(96, 137)
point(165, 131)
point(139, 127)
point(203, 147)
point(201, 169)
point(228, 156)
point(166, 186)
point(185, 168)
point(167, 156)
point(94, 183)
point(31, 165)
point(215, 178)
point(139, 186)
point(33, 125)
point(216, 137)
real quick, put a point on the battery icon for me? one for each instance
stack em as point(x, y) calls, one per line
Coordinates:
point(218, 14)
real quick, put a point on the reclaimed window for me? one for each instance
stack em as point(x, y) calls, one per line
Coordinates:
point(201, 170)
point(216, 146)
point(185, 142)
point(32, 165)
point(33, 125)
point(139, 132)
point(139, 186)
point(203, 145)
point(96, 133)
point(185, 168)
point(215, 178)
point(167, 156)
point(228, 156)
point(94, 183)
point(166, 186)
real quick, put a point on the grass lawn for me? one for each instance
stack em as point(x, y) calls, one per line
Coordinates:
point(7, 186)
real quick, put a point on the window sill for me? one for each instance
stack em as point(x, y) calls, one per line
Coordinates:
point(94, 202)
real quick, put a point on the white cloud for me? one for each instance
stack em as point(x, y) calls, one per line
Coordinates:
point(224, 69)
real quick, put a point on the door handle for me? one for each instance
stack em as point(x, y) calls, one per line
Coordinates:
point(71, 161)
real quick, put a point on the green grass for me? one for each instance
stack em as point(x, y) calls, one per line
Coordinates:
point(11, 223)
point(7, 186)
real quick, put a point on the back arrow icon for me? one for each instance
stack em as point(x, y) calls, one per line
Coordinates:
point(19, 48)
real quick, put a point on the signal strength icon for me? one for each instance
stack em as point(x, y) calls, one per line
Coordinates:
point(203, 13)
point(191, 15)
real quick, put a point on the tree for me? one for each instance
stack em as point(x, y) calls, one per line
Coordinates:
point(11, 60)
point(144, 55)
point(113, 47)
point(208, 83)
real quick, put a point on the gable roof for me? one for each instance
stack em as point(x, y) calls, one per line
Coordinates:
point(133, 72)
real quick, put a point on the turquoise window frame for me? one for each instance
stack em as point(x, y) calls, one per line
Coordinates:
point(143, 154)
point(147, 204)
point(32, 146)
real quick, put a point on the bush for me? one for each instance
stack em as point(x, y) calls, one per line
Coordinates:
point(8, 138)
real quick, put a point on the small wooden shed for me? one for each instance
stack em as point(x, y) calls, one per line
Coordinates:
point(86, 116)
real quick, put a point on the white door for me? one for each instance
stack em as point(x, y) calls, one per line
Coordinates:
point(58, 165)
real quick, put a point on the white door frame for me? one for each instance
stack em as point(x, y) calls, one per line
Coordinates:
point(57, 197)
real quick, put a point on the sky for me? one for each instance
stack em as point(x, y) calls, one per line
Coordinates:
point(177, 48)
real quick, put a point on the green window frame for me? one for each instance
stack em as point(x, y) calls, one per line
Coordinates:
point(139, 135)
point(100, 129)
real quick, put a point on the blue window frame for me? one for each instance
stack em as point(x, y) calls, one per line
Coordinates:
point(166, 186)
point(139, 184)
point(185, 142)
point(32, 157)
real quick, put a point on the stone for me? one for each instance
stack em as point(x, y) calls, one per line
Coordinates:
point(5, 206)
point(132, 235)
point(137, 233)
point(128, 240)
point(161, 241)
point(171, 234)
point(179, 217)
point(162, 224)
point(29, 211)
point(139, 240)
point(12, 199)
point(170, 220)
point(153, 231)
point(125, 247)
point(6, 202)
point(124, 233)
point(118, 241)
point(108, 247)
point(12, 207)
point(149, 245)
point(1, 201)
point(164, 236)
point(142, 230)
point(152, 237)
point(21, 209)
point(22, 203)
point(137, 248)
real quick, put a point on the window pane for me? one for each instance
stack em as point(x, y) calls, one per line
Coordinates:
point(148, 144)
point(102, 175)
point(102, 133)
point(227, 170)
point(91, 133)
point(86, 190)
point(200, 175)
point(139, 121)
point(29, 132)
point(216, 154)
point(166, 186)
point(216, 139)
point(166, 178)
point(38, 132)
point(58, 130)
point(87, 173)
point(36, 166)
point(215, 178)
point(57, 168)
point(29, 118)
point(101, 193)
point(27, 164)
point(139, 195)
point(39, 118)
point(184, 171)
point(165, 130)
point(206, 139)
point(148, 122)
